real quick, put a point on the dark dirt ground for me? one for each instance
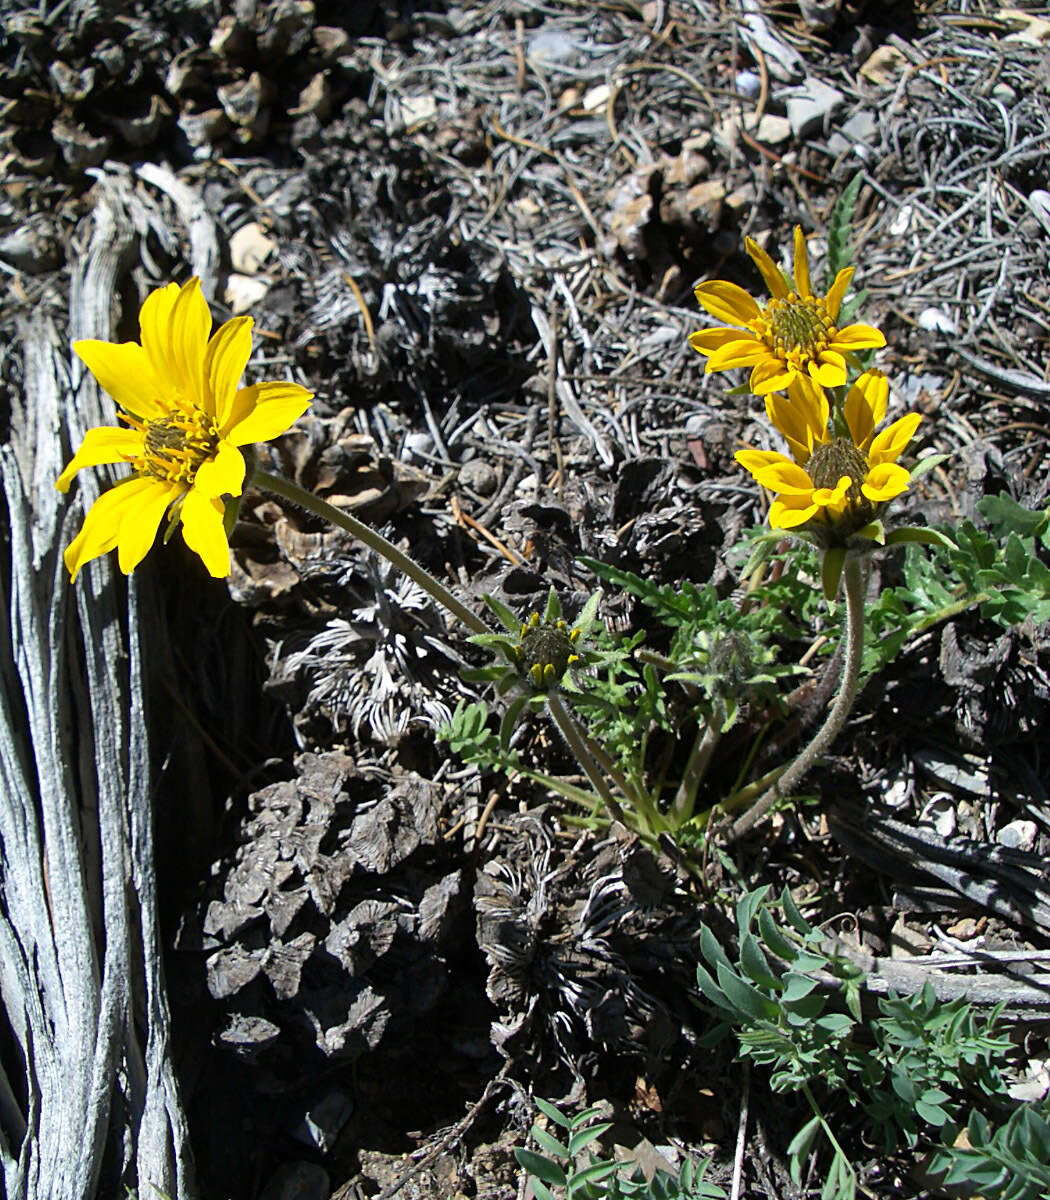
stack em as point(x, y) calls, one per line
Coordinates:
point(474, 232)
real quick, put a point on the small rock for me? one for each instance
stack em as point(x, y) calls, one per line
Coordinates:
point(250, 248)
point(1018, 835)
point(325, 1120)
point(810, 105)
point(1039, 203)
point(315, 99)
point(700, 205)
point(901, 223)
point(551, 46)
point(596, 98)
point(772, 129)
point(965, 929)
point(243, 293)
point(479, 477)
point(940, 813)
point(298, 1181)
point(883, 65)
point(331, 42)
point(741, 197)
point(936, 320)
point(416, 110)
point(748, 84)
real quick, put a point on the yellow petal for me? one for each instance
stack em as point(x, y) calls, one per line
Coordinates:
point(190, 326)
point(224, 362)
point(828, 374)
point(889, 445)
point(106, 444)
point(885, 481)
point(101, 529)
point(744, 352)
point(838, 292)
point(772, 375)
point(222, 475)
point(866, 406)
point(801, 263)
point(202, 528)
point(790, 512)
point(803, 423)
point(834, 498)
point(770, 272)
point(757, 460)
point(857, 337)
point(138, 526)
point(155, 325)
point(266, 410)
point(785, 476)
point(126, 373)
point(707, 341)
point(727, 302)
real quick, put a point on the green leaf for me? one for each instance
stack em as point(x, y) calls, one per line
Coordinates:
point(711, 950)
point(744, 998)
point(793, 915)
point(540, 1167)
point(801, 1144)
point(927, 464)
point(594, 1173)
point(797, 987)
point(754, 963)
point(552, 610)
point(549, 1143)
point(510, 719)
point(710, 989)
point(510, 621)
point(1006, 516)
point(838, 255)
point(541, 1191)
point(920, 534)
point(585, 1136)
point(773, 938)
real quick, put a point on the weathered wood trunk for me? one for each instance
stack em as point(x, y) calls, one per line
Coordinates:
point(89, 1103)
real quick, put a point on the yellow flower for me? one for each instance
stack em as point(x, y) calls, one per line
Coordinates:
point(791, 341)
point(833, 485)
point(186, 417)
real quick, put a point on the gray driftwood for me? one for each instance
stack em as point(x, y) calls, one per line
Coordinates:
point(93, 1106)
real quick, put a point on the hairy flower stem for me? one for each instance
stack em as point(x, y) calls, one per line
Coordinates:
point(375, 541)
point(695, 769)
point(574, 738)
point(853, 637)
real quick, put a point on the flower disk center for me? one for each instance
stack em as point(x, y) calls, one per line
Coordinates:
point(833, 460)
point(175, 446)
point(800, 324)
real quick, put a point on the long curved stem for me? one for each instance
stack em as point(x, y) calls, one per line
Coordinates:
point(562, 718)
point(695, 769)
point(375, 541)
point(853, 636)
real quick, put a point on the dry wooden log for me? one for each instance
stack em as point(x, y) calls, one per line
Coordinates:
point(95, 1107)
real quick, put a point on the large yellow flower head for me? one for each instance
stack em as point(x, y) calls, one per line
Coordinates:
point(793, 341)
point(833, 486)
point(186, 416)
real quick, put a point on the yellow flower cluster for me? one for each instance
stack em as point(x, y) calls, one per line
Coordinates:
point(832, 485)
point(185, 419)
